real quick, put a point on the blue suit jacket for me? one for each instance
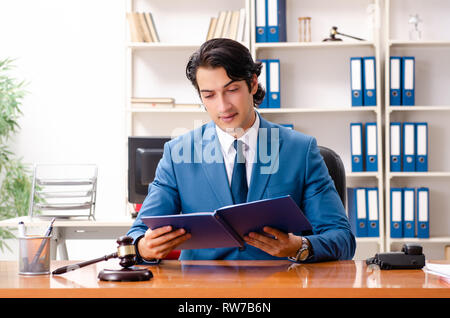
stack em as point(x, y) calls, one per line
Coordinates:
point(191, 177)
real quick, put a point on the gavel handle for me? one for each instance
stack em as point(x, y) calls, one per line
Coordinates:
point(72, 267)
point(350, 36)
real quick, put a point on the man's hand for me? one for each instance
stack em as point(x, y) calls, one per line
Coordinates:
point(282, 245)
point(159, 242)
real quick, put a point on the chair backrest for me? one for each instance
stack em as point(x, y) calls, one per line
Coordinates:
point(336, 170)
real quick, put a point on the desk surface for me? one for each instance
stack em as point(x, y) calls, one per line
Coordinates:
point(232, 279)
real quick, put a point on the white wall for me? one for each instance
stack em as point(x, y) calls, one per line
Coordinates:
point(72, 54)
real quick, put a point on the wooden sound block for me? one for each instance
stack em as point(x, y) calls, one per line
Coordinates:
point(131, 274)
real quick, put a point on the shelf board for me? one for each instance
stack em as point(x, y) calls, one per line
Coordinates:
point(362, 174)
point(418, 43)
point(167, 110)
point(418, 108)
point(287, 45)
point(260, 110)
point(166, 45)
point(439, 239)
point(367, 239)
point(432, 174)
point(161, 45)
point(316, 110)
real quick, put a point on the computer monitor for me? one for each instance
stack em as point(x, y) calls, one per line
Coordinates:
point(144, 154)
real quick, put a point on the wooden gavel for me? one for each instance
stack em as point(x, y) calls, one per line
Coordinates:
point(125, 251)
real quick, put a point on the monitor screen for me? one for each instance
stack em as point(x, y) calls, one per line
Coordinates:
point(144, 154)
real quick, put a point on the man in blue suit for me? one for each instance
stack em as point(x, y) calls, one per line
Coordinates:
point(241, 157)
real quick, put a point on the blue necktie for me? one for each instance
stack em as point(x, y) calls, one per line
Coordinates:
point(239, 187)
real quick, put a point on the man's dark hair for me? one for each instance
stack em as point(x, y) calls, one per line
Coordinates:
point(234, 57)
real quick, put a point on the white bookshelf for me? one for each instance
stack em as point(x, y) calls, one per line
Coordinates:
point(432, 98)
point(157, 69)
point(315, 85)
point(308, 69)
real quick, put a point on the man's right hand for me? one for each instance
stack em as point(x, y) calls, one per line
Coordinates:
point(157, 243)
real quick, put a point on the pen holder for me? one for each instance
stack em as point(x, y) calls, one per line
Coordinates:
point(34, 255)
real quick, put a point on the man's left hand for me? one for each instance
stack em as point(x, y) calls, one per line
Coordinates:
point(280, 244)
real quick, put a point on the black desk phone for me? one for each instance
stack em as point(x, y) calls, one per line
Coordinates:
point(411, 257)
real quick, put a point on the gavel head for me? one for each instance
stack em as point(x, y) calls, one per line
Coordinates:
point(333, 31)
point(126, 251)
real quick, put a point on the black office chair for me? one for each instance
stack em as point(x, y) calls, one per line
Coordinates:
point(336, 170)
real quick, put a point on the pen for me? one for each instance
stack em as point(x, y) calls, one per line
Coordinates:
point(50, 228)
point(41, 247)
point(21, 229)
point(21, 234)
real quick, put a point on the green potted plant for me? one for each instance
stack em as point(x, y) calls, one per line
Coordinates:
point(15, 177)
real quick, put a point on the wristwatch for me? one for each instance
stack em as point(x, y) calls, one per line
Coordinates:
point(303, 253)
point(139, 258)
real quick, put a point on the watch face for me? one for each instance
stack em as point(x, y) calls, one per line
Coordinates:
point(304, 255)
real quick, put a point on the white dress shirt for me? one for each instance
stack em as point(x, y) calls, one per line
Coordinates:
point(249, 139)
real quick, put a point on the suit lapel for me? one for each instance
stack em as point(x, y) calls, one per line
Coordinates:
point(268, 142)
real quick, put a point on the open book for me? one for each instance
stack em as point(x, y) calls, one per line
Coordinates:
point(227, 226)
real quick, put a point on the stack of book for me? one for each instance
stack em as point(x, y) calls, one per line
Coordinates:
point(142, 27)
point(228, 24)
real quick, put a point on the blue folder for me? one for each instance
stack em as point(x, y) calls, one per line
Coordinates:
point(396, 213)
point(409, 212)
point(356, 81)
point(409, 147)
point(423, 212)
point(370, 81)
point(395, 82)
point(357, 211)
point(421, 146)
point(408, 80)
point(227, 226)
point(273, 80)
point(263, 80)
point(276, 20)
point(396, 147)
point(356, 146)
point(373, 223)
point(371, 153)
point(261, 21)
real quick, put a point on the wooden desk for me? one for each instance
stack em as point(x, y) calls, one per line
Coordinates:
point(229, 279)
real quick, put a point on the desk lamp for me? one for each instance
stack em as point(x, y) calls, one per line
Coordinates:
point(333, 37)
point(126, 253)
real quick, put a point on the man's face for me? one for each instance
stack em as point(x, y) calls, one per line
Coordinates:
point(229, 103)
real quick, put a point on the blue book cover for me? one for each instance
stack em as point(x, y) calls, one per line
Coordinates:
point(227, 226)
